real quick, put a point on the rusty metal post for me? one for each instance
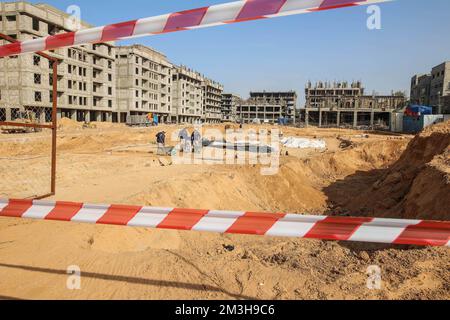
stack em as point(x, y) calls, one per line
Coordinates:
point(54, 125)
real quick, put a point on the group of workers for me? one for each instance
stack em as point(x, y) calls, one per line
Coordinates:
point(188, 143)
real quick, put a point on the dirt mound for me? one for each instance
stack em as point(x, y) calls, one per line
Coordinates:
point(417, 185)
point(65, 124)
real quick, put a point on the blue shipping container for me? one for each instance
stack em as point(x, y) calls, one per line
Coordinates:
point(417, 124)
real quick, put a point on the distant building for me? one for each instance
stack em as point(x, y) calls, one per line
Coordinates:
point(260, 110)
point(329, 95)
point(187, 95)
point(229, 107)
point(144, 80)
point(345, 104)
point(286, 99)
point(440, 85)
point(212, 101)
point(97, 82)
point(432, 89)
point(420, 89)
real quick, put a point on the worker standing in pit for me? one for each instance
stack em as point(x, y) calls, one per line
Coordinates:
point(185, 142)
point(161, 141)
point(196, 140)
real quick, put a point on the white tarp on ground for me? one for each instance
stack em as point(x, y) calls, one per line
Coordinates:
point(303, 143)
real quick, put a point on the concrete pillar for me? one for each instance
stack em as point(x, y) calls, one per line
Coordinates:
point(338, 120)
point(8, 114)
point(42, 116)
point(73, 115)
point(372, 119)
point(87, 116)
point(320, 118)
point(355, 119)
point(307, 117)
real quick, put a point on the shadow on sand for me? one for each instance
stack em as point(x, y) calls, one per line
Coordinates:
point(131, 280)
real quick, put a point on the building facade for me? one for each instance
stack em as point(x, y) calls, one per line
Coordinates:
point(345, 104)
point(212, 100)
point(259, 111)
point(86, 74)
point(286, 99)
point(97, 82)
point(421, 89)
point(326, 94)
point(440, 86)
point(187, 95)
point(144, 81)
point(229, 107)
point(433, 89)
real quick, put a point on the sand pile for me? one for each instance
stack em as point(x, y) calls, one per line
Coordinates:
point(66, 124)
point(417, 185)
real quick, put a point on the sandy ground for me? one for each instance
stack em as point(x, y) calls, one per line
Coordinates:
point(369, 175)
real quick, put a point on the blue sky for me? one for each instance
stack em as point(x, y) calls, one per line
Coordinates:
point(284, 53)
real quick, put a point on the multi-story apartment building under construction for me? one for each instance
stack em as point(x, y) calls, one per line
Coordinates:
point(344, 104)
point(212, 101)
point(286, 99)
point(229, 107)
point(86, 74)
point(259, 111)
point(98, 82)
point(433, 89)
point(420, 89)
point(187, 95)
point(144, 81)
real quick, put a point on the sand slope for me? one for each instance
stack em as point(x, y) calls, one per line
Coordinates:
point(415, 186)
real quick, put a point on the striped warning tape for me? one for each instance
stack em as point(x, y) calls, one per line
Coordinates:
point(191, 19)
point(394, 231)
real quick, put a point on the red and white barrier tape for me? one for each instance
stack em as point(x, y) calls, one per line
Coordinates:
point(410, 232)
point(191, 19)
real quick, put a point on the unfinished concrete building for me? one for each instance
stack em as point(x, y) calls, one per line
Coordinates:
point(420, 89)
point(433, 89)
point(86, 74)
point(342, 104)
point(144, 81)
point(440, 87)
point(229, 107)
point(212, 100)
point(287, 99)
point(187, 95)
point(259, 111)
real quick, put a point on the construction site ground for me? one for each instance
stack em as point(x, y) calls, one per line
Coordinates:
point(359, 174)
